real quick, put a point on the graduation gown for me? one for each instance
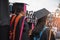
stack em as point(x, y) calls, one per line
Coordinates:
point(45, 35)
point(12, 19)
point(25, 30)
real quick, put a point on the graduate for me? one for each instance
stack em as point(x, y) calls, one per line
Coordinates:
point(41, 31)
point(21, 27)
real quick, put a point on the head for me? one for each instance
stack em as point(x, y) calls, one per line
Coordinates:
point(40, 24)
point(42, 21)
point(19, 8)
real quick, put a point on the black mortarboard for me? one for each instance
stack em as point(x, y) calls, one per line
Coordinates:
point(18, 6)
point(41, 13)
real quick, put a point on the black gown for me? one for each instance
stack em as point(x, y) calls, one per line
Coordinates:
point(25, 30)
point(45, 35)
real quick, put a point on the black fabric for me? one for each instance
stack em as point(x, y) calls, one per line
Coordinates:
point(45, 35)
point(41, 13)
point(30, 25)
point(18, 29)
point(12, 27)
point(4, 32)
point(25, 31)
point(4, 12)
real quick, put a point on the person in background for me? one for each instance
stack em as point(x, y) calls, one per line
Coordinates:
point(12, 18)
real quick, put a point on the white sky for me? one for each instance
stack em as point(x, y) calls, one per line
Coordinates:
point(35, 5)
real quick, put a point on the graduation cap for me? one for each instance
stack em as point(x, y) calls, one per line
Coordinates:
point(41, 13)
point(19, 6)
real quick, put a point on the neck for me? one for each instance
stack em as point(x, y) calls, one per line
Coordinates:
point(22, 13)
